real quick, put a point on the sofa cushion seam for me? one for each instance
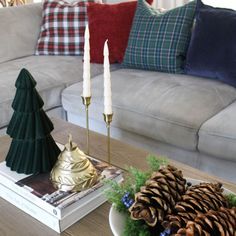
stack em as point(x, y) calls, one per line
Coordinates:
point(205, 132)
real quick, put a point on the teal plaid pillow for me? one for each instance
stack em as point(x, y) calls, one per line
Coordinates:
point(159, 41)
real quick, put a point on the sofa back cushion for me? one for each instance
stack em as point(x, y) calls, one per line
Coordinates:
point(19, 31)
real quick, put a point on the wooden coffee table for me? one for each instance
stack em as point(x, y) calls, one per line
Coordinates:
point(15, 222)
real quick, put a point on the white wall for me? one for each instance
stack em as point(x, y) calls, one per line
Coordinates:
point(231, 4)
point(168, 4)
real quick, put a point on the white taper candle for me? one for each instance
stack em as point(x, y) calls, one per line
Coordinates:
point(107, 81)
point(86, 65)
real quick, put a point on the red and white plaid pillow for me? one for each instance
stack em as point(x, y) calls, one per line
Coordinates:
point(62, 30)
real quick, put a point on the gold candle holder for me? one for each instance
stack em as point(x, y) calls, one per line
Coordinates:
point(86, 102)
point(108, 120)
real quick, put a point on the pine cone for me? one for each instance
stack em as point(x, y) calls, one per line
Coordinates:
point(221, 223)
point(159, 195)
point(198, 199)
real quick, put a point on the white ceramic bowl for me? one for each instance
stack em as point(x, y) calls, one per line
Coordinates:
point(117, 219)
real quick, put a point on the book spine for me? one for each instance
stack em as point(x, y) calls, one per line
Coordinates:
point(97, 194)
point(30, 208)
point(82, 211)
point(25, 193)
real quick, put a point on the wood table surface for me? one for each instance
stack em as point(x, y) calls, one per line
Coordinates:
point(14, 222)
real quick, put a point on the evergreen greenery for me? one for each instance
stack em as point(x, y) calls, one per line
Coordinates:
point(135, 228)
point(231, 199)
point(133, 181)
point(136, 179)
point(155, 163)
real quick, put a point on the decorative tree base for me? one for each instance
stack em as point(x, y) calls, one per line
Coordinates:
point(32, 157)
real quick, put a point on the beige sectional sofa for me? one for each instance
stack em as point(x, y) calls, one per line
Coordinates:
point(187, 118)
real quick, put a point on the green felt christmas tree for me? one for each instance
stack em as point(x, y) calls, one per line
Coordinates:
point(32, 149)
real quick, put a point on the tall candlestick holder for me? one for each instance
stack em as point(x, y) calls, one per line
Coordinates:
point(108, 120)
point(86, 102)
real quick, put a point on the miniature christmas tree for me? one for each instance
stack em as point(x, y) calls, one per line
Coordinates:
point(32, 149)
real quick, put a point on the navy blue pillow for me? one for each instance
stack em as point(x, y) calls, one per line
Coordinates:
point(212, 49)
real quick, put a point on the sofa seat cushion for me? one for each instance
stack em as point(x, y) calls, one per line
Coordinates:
point(167, 107)
point(52, 73)
point(217, 136)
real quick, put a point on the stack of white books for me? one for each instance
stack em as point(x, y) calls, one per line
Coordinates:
point(35, 195)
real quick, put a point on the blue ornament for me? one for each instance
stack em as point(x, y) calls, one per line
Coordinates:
point(127, 200)
point(166, 232)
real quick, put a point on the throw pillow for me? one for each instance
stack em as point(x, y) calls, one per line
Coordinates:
point(159, 41)
point(112, 22)
point(212, 50)
point(62, 30)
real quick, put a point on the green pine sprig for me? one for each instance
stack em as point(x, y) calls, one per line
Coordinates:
point(135, 228)
point(155, 163)
point(114, 195)
point(134, 181)
point(231, 199)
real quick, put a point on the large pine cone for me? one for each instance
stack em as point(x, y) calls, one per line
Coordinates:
point(220, 223)
point(159, 196)
point(198, 199)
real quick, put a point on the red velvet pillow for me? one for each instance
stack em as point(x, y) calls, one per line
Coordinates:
point(112, 22)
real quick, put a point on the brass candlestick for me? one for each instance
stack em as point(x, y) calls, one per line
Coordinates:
point(108, 120)
point(87, 102)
